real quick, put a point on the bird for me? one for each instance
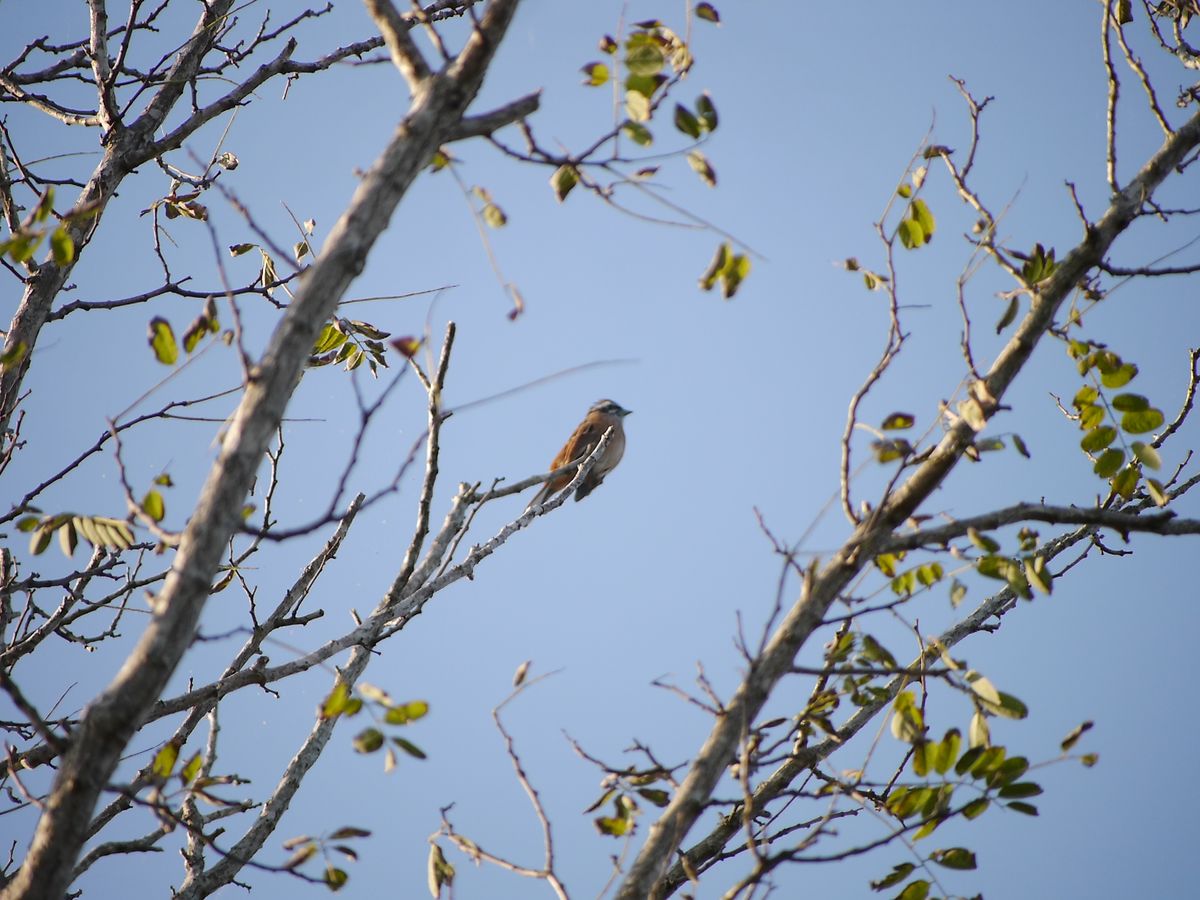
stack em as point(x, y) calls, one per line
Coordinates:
point(602, 415)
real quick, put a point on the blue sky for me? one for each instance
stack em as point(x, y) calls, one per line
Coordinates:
point(737, 405)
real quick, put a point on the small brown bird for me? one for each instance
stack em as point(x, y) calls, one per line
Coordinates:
point(603, 415)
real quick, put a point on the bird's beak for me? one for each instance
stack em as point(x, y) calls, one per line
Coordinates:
point(625, 412)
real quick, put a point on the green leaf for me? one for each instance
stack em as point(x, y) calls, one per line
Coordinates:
point(440, 872)
point(984, 542)
point(368, 740)
point(989, 761)
point(1011, 707)
point(637, 106)
point(1037, 575)
point(1126, 482)
point(916, 890)
point(954, 858)
point(335, 878)
point(1076, 733)
point(153, 506)
point(976, 808)
point(898, 421)
point(596, 74)
point(708, 13)
point(1142, 421)
point(407, 712)
point(1157, 493)
point(45, 206)
point(563, 181)
point(68, 539)
point(1130, 402)
point(22, 245)
point(410, 748)
point(928, 828)
point(888, 451)
point(646, 85)
point(657, 796)
point(720, 259)
point(734, 273)
point(1147, 455)
point(638, 133)
point(1085, 396)
point(1091, 417)
point(1020, 790)
point(910, 233)
point(930, 574)
point(920, 212)
point(1027, 808)
point(979, 735)
point(907, 724)
point(706, 112)
point(1039, 265)
point(494, 216)
point(239, 249)
point(983, 688)
point(643, 58)
point(701, 166)
point(920, 759)
point(947, 751)
point(1098, 438)
point(162, 341)
point(958, 592)
point(189, 772)
point(686, 122)
point(13, 355)
point(164, 760)
point(62, 247)
point(1109, 462)
point(1120, 376)
point(897, 875)
point(337, 702)
point(1019, 443)
point(614, 826)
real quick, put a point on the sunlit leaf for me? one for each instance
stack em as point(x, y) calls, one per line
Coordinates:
point(954, 858)
point(1109, 462)
point(1142, 421)
point(686, 121)
point(706, 111)
point(62, 246)
point(563, 181)
point(164, 760)
point(162, 341)
point(440, 872)
point(1157, 493)
point(701, 166)
point(409, 747)
point(335, 878)
point(368, 740)
point(153, 506)
point(898, 421)
point(596, 74)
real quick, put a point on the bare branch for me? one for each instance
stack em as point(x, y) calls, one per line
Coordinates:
point(1118, 520)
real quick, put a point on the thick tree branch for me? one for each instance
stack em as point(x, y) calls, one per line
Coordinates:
point(1118, 520)
point(822, 587)
point(112, 718)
